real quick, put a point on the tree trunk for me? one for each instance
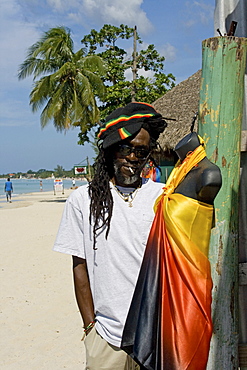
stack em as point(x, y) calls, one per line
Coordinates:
point(134, 69)
point(220, 118)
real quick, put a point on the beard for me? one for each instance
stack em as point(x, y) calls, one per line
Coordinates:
point(123, 179)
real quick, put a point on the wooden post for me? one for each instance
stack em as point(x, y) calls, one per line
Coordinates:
point(242, 349)
point(89, 169)
point(220, 118)
point(134, 68)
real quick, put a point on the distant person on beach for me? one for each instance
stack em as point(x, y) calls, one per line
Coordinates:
point(41, 185)
point(8, 189)
point(73, 182)
point(105, 226)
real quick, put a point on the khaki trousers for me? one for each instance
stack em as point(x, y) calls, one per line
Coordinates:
point(100, 355)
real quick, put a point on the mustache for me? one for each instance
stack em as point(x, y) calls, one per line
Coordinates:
point(133, 168)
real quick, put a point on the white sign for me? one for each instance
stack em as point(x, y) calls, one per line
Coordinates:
point(80, 170)
point(58, 185)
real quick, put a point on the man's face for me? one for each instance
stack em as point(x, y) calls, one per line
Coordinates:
point(128, 164)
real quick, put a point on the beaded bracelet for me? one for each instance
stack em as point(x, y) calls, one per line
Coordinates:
point(88, 328)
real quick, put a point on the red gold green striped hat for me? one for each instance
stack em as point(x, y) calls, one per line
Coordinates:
point(127, 121)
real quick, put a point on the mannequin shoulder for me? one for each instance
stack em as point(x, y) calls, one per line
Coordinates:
point(210, 173)
point(203, 182)
point(211, 181)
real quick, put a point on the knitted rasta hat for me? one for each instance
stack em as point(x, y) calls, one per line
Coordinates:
point(127, 121)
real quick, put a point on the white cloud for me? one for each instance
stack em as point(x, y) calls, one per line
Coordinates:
point(198, 12)
point(57, 4)
point(88, 13)
point(99, 12)
point(119, 11)
point(63, 6)
point(147, 74)
point(190, 23)
point(16, 36)
point(205, 11)
point(141, 72)
point(128, 75)
point(169, 52)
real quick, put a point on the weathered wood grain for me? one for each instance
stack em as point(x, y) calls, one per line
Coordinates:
point(220, 119)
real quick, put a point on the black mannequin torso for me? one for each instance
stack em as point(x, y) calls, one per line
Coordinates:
point(204, 181)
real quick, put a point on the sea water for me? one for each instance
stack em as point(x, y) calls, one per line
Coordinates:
point(24, 186)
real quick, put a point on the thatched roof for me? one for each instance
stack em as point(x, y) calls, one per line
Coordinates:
point(180, 103)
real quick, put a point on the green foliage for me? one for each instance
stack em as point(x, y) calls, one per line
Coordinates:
point(107, 37)
point(43, 173)
point(42, 170)
point(118, 89)
point(59, 171)
point(69, 82)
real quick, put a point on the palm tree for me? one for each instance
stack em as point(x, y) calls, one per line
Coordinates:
point(59, 170)
point(69, 84)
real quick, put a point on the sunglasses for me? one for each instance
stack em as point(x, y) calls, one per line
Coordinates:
point(126, 150)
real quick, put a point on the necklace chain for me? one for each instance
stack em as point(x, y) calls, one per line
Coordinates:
point(127, 197)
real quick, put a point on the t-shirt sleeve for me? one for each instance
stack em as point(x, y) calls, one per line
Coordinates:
point(70, 236)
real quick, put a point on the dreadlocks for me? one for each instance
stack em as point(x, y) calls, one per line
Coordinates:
point(101, 204)
point(121, 124)
point(99, 191)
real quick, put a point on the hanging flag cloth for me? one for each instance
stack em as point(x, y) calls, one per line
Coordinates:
point(169, 322)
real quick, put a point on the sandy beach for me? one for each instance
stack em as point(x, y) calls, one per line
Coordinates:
point(40, 325)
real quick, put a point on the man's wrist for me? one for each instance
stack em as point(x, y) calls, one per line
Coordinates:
point(88, 328)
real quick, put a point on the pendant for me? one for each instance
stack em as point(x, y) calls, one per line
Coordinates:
point(128, 198)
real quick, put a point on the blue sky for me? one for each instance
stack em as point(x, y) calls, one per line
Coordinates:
point(177, 28)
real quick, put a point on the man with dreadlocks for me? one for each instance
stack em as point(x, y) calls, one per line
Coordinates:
point(105, 226)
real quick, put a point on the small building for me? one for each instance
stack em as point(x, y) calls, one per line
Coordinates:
point(178, 106)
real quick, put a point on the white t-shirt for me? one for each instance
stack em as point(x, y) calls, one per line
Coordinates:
point(114, 266)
